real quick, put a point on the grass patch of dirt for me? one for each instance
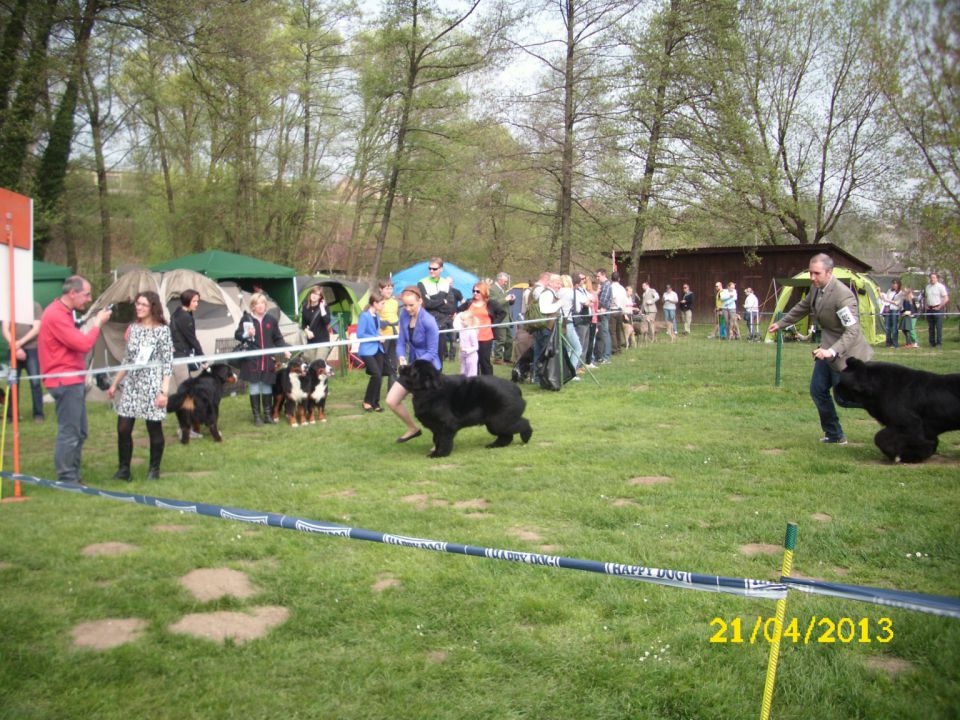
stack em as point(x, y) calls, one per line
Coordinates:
point(208, 584)
point(240, 627)
point(108, 548)
point(109, 633)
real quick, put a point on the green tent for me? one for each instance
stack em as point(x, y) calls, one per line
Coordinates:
point(794, 289)
point(48, 281)
point(276, 280)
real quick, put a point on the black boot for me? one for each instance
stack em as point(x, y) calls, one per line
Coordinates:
point(156, 454)
point(125, 452)
point(255, 405)
point(268, 409)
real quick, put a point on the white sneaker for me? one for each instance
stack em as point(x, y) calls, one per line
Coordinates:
point(575, 378)
point(194, 435)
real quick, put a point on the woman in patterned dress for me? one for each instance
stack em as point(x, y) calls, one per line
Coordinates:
point(144, 390)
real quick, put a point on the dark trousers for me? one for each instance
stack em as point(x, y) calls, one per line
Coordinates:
point(390, 362)
point(484, 363)
point(935, 327)
point(373, 365)
point(822, 382)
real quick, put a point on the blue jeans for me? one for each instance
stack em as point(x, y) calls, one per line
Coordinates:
point(576, 348)
point(670, 315)
point(603, 341)
point(935, 327)
point(541, 338)
point(32, 366)
point(892, 327)
point(71, 409)
point(823, 380)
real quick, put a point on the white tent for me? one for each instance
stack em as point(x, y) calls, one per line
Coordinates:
point(217, 317)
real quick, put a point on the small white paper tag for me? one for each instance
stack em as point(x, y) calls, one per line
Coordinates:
point(847, 318)
point(144, 354)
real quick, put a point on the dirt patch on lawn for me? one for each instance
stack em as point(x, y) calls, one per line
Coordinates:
point(650, 480)
point(106, 634)
point(445, 466)
point(6, 565)
point(237, 626)
point(478, 516)
point(549, 549)
point(821, 517)
point(944, 460)
point(109, 548)
point(689, 447)
point(171, 528)
point(208, 584)
point(437, 656)
point(759, 549)
point(384, 581)
point(736, 498)
point(419, 500)
point(625, 502)
point(892, 666)
point(339, 493)
point(772, 451)
point(665, 426)
point(474, 504)
point(524, 534)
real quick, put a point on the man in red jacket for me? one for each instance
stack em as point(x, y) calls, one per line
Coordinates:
point(63, 349)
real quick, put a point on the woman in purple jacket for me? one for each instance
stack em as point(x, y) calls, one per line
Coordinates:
point(419, 339)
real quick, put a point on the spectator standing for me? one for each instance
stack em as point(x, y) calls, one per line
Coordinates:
point(670, 301)
point(583, 317)
point(832, 307)
point(720, 329)
point(751, 310)
point(28, 358)
point(619, 305)
point(389, 323)
point(503, 341)
point(368, 326)
point(567, 297)
point(440, 301)
point(605, 301)
point(936, 299)
point(183, 331)
point(144, 391)
point(648, 299)
point(891, 301)
point(728, 299)
point(488, 313)
point(543, 307)
point(315, 320)
point(63, 348)
point(686, 308)
point(260, 330)
point(908, 319)
point(466, 323)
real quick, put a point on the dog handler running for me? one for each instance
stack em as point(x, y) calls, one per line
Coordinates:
point(419, 339)
point(832, 307)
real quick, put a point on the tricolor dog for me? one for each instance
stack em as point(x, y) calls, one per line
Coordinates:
point(291, 389)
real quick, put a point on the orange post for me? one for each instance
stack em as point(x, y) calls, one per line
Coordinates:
point(12, 387)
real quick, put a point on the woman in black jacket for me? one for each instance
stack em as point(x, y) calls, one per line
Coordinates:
point(259, 330)
point(183, 331)
point(315, 320)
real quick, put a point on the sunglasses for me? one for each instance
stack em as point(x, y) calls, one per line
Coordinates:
point(433, 269)
point(475, 292)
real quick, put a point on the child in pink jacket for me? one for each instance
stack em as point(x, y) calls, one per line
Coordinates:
point(466, 323)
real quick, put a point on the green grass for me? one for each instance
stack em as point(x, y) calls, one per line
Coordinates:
point(463, 637)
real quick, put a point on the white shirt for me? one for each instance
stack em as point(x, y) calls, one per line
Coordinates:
point(935, 294)
point(619, 296)
point(751, 302)
point(670, 300)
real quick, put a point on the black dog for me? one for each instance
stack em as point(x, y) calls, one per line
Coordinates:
point(290, 389)
point(446, 403)
point(197, 401)
point(318, 390)
point(915, 406)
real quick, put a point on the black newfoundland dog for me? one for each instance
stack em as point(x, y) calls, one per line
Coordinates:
point(445, 403)
point(914, 406)
point(197, 401)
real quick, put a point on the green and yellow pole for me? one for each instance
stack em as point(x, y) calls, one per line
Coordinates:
point(789, 543)
point(779, 334)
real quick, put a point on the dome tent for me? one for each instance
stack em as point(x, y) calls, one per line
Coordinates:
point(462, 280)
point(796, 288)
point(217, 316)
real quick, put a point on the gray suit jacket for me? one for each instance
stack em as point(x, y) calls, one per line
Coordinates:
point(834, 310)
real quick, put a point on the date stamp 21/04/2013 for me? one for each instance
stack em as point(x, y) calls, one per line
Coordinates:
point(816, 630)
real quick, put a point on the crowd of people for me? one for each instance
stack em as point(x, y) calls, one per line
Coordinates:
point(596, 313)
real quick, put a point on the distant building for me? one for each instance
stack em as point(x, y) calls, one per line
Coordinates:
point(755, 266)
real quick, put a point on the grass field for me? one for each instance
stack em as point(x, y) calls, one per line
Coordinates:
point(375, 631)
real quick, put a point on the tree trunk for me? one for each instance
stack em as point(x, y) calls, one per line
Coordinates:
point(9, 52)
point(566, 162)
point(91, 100)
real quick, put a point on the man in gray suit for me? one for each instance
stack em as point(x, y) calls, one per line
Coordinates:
point(832, 307)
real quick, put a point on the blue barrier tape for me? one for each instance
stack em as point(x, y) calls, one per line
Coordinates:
point(744, 587)
point(932, 604)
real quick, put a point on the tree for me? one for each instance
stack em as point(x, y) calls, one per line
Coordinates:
point(797, 129)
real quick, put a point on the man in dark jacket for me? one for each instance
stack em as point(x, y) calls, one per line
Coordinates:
point(440, 301)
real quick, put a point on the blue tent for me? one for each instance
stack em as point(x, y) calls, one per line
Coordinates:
point(462, 280)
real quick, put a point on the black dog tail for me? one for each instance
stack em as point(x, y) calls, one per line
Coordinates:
point(180, 401)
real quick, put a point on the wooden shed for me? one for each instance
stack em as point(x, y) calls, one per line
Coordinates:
point(747, 265)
